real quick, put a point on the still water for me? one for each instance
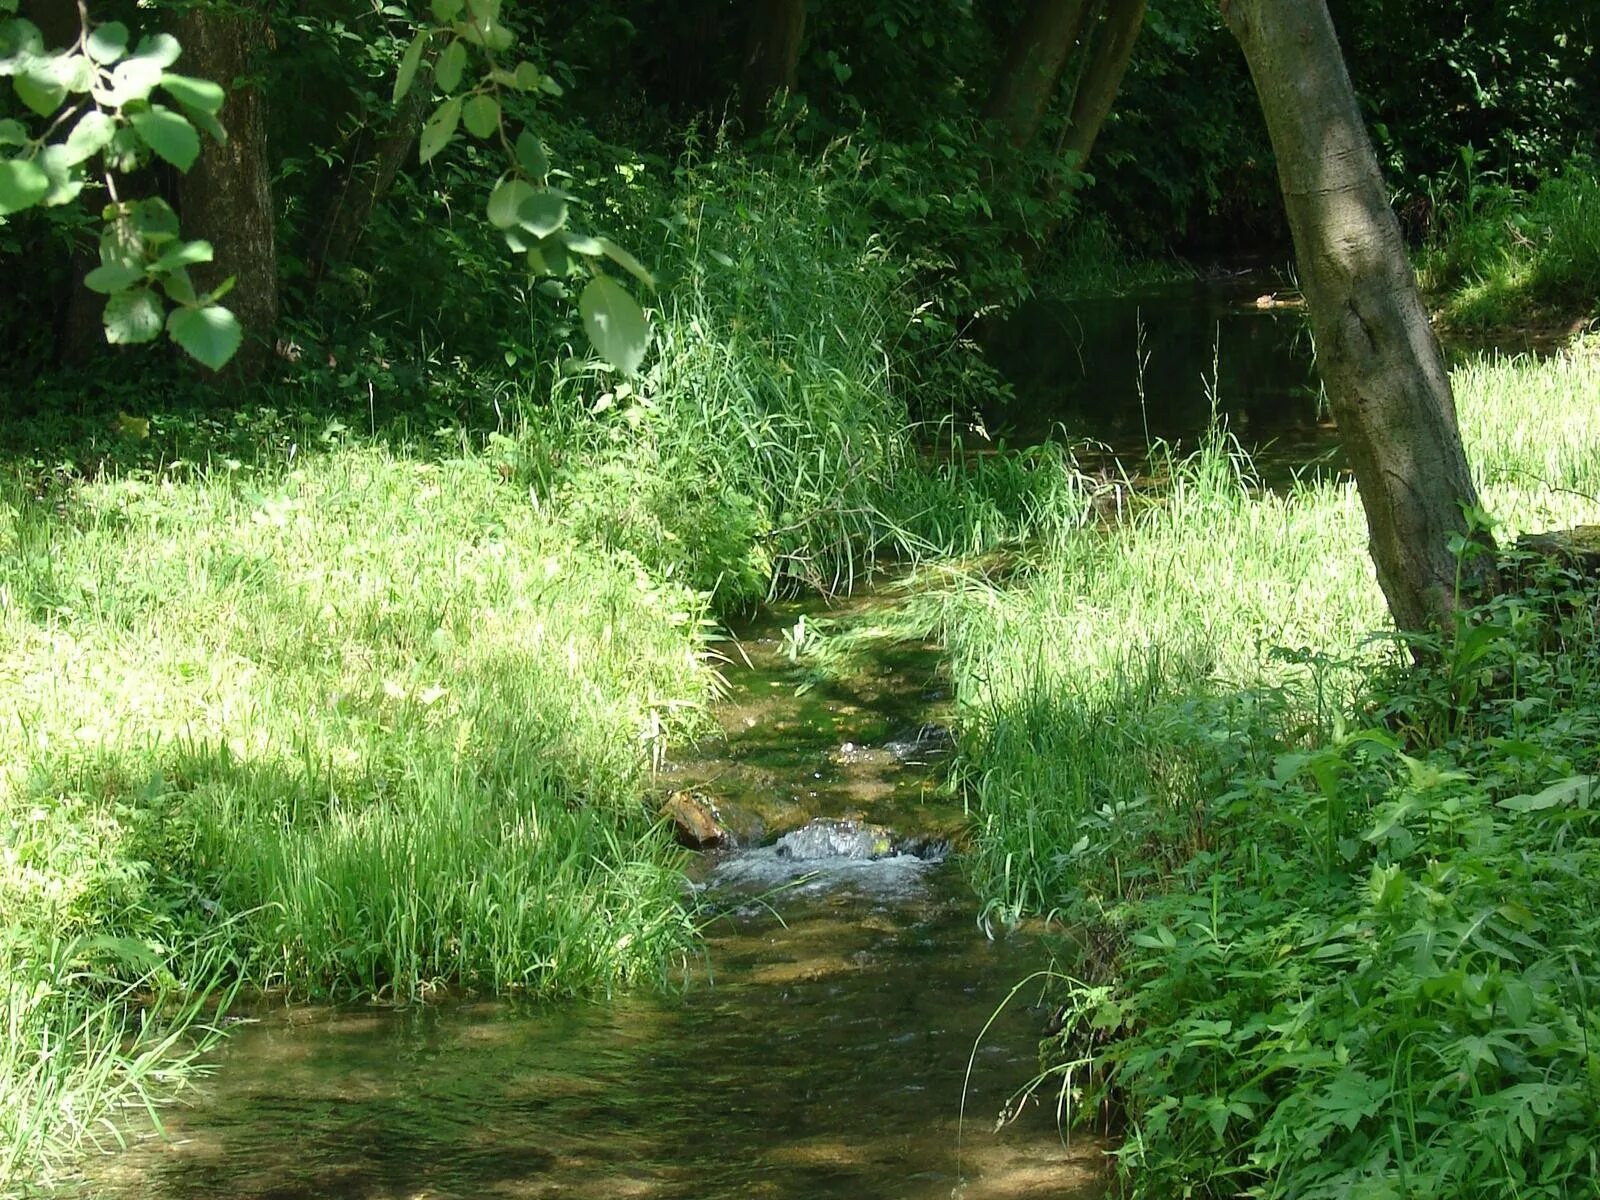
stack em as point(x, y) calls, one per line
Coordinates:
point(820, 1049)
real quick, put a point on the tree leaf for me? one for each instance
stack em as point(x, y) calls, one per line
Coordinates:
point(505, 202)
point(440, 128)
point(542, 213)
point(169, 134)
point(582, 243)
point(445, 11)
point(107, 42)
point(481, 115)
point(184, 254)
point(447, 72)
point(409, 62)
point(199, 94)
point(66, 179)
point(132, 79)
point(627, 262)
point(23, 184)
point(615, 324)
point(531, 156)
point(211, 334)
point(92, 134)
point(38, 86)
point(132, 317)
point(160, 48)
point(112, 277)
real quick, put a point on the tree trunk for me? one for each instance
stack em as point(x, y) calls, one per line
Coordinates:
point(226, 197)
point(368, 182)
point(1376, 352)
point(772, 56)
point(1037, 53)
point(1102, 78)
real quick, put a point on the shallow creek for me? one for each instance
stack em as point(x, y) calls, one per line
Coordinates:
point(819, 1049)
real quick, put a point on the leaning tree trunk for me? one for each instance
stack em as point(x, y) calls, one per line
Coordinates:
point(1102, 78)
point(1376, 352)
point(772, 56)
point(226, 197)
point(1037, 53)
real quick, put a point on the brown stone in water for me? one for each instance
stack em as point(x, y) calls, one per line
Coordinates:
point(695, 821)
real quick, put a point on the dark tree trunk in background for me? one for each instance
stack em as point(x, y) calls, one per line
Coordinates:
point(772, 56)
point(370, 177)
point(1037, 53)
point(1376, 352)
point(226, 197)
point(1102, 76)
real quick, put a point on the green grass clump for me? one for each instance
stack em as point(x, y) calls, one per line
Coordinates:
point(367, 726)
point(1513, 253)
point(1343, 915)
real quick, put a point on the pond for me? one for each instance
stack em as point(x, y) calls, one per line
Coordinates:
point(820, 1049)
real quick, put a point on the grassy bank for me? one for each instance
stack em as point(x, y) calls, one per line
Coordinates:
point(364, 725)
point(1508, 260)
point(1343, 916)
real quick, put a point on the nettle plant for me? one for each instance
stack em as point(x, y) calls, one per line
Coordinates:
point(532, 215)
point(102, 111)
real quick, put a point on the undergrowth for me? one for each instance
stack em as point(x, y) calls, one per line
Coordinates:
point(1339, 915)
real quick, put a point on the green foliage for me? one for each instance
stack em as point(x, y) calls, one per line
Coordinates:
point(1502, 256)
point(1340, 912)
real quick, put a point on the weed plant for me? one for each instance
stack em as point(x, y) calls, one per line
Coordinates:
point(1341, 914)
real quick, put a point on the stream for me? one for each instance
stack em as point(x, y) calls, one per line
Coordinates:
point(820, 1047)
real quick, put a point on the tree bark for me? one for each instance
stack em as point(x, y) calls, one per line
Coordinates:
point(368, 182)
point(1037, 53)
point(1376, 352)
point(226, 196)
point(1102, 78)
point(772, 56)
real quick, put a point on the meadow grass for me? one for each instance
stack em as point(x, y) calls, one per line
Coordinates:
point(365, 724)
point(1341, 913)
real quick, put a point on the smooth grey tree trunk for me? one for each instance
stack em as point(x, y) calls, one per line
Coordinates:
point(1035, 57)
point(1376, 352)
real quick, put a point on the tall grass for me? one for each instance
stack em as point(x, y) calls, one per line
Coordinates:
point(1321, 885)
point(368, 724)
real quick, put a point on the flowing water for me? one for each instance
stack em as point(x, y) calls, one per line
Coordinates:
point(820, 1049)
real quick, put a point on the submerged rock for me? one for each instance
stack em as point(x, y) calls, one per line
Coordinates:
point(836, 839)
point(695, 821)
point(922, 742)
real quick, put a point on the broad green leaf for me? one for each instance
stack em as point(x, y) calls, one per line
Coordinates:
point(184, 254)
point(169, 134)
point(409, 62)
point(615, 324)
point(108, 42)
point(542, 213)
point(23, 184)
point(445, 11)
point(66, 178)
point(505, 202)
point(193, 93)
point(39, 86)
point(92, 134)
point(484, 10)
point(531, 156)
point(481, 115)
point(205, 123)
point(210, 334)
point(154, 219)
point(452, 62)
point(132, 317)
point(179, 287)
point(582, 243)
point(159, 48)
point(440, 128)
point(550, 87)
point(1579, 789)
point(132, 79)
point(527, 77)
point(112, 277)
point(19, 39)
point(627, 262)
point(13, 133)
